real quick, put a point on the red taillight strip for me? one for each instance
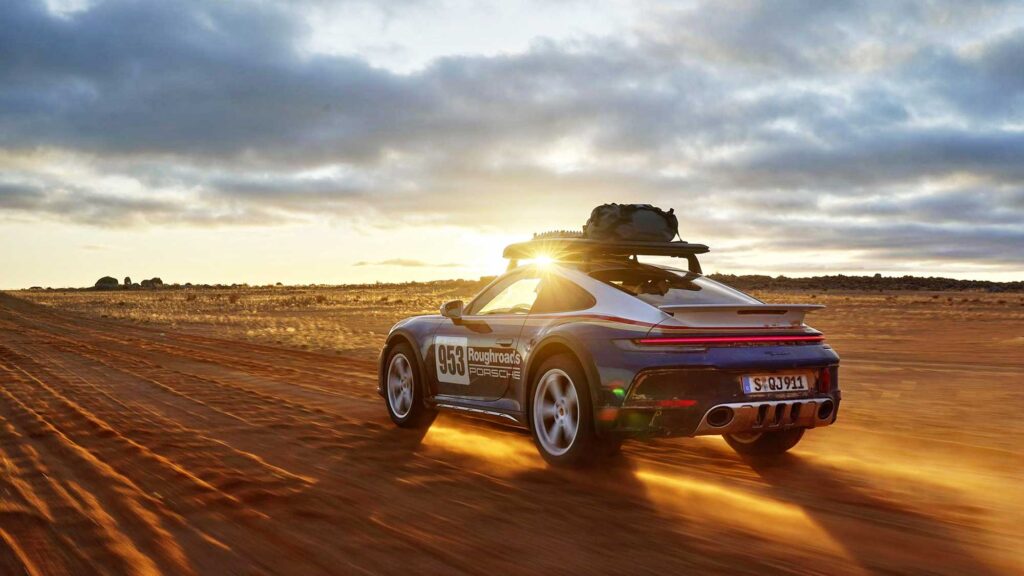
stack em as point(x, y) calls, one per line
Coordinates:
point(669, 403)
point(729, 340)
point(675, 403)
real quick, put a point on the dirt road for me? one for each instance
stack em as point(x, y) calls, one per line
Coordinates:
point(127, 450)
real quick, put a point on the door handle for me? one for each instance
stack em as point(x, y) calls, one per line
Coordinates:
point(504, 341)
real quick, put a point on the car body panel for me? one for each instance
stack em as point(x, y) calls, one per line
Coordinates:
point(476, 357)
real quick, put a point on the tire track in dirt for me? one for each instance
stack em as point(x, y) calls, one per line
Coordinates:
point(218, 390)
point(124, 359)
point(86, 391)
point(145, 544)
point(225, 397)
point(207, 462)
point(236, 405)
point(33, 505)
point(156, 479)
point(126, 449)
point(211, 350)
point(131, 418)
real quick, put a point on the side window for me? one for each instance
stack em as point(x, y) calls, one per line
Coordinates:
point(515, 298)
point(561, 295)
point(487, 295)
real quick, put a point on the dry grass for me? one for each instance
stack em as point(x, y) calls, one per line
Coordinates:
point(343, 319)
point(355, 319)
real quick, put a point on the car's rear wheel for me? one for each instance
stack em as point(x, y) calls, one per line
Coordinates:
point(403, 391)
point(561, 415)
point(764, 444)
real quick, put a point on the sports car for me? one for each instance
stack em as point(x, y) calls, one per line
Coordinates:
point(585, 346)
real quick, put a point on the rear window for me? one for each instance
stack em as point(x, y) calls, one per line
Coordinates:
point(661, 287)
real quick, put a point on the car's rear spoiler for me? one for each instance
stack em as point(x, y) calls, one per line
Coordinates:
point(740, 316)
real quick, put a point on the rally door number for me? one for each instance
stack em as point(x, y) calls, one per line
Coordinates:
point(450, 354)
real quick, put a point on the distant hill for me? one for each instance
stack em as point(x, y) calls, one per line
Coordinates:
point(838, 282)
point(864, 283)
point(819, 283)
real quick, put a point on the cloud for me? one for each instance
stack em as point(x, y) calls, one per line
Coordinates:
point(82, 205)
point(18, 196)
point(406, 263)
point(890, 129)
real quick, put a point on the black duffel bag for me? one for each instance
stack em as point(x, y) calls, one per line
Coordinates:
point(635, 222)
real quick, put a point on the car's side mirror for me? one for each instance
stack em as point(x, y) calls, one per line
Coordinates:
point(452, 309)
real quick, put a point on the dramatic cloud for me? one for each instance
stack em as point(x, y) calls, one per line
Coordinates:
point(890, 130)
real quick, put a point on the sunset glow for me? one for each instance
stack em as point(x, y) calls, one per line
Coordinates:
point(316, 142)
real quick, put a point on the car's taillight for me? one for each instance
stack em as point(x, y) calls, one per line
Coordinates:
point(825, 380)
point(725, 340)
point(675, 403)
point(663, 403)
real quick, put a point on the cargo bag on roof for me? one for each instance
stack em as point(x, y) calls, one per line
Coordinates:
point(634, 222)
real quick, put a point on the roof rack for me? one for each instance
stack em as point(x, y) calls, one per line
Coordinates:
point(575, 249)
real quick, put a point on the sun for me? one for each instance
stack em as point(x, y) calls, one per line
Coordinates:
point(543, 260)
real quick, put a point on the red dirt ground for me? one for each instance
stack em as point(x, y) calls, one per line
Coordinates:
point(137, 450)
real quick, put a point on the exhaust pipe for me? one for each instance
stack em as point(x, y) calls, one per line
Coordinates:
point(720, 416)
point(826, 409)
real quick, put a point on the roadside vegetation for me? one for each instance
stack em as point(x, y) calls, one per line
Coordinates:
point(355, 318)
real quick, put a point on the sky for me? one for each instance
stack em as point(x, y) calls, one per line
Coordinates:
point(316, 141)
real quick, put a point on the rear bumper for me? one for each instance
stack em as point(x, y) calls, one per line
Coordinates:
point(697, 401)
point(767, 416)
point(732, 417)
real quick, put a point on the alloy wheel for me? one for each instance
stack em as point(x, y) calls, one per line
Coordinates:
point(556, 412)
point(400, 385)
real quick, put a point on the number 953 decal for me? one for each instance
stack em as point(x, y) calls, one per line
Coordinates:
point(450, 356)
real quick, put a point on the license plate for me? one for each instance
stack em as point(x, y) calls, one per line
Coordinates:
point(775, 383)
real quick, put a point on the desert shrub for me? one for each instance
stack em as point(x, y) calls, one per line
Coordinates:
point(107, 283)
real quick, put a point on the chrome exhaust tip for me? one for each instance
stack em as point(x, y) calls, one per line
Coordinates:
point(720, 416)
point(826, 409)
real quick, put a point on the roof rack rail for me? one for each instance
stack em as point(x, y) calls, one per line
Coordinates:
point(576, 249)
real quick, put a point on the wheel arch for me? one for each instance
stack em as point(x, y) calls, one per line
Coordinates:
point(394, 339)
point(552, 346)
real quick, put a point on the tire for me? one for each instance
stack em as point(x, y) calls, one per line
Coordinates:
point(403, 390)
point(562, 416)
point(764, 444)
